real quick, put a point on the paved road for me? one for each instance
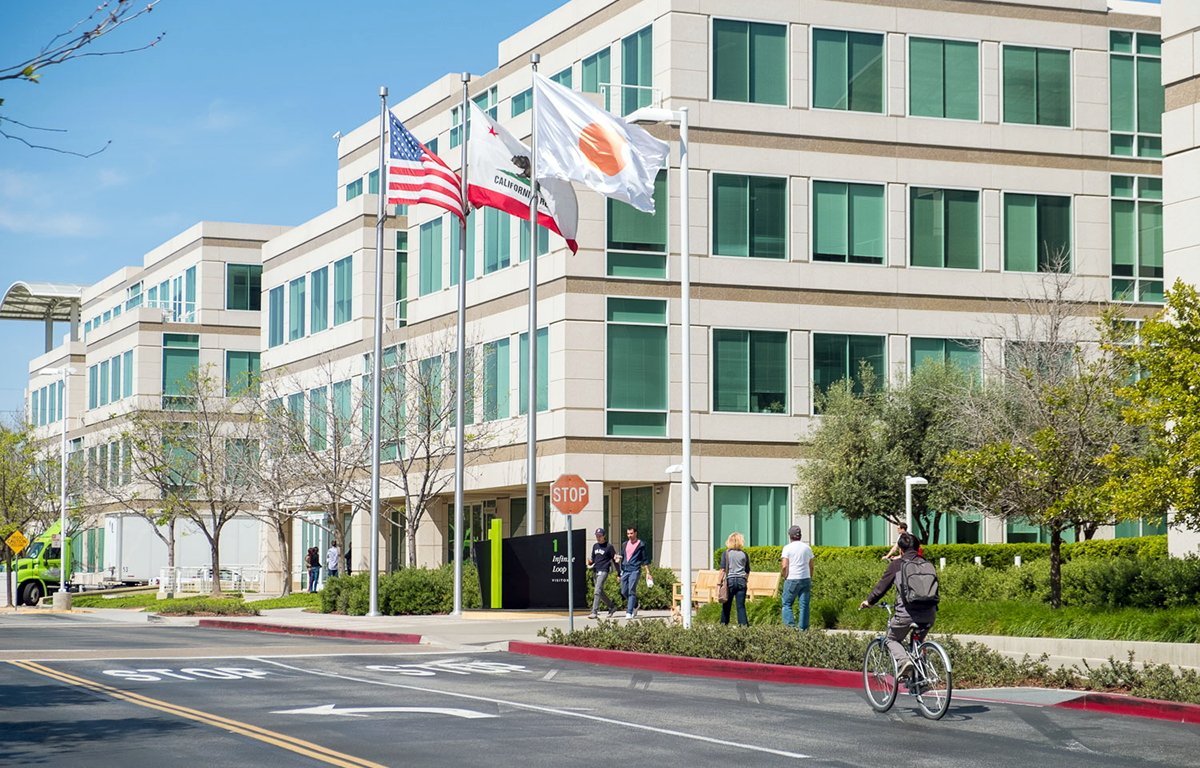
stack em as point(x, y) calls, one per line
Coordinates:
point(110, 694)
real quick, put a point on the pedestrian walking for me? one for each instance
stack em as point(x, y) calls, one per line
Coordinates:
point(312, 561)
point(331, 559)
point(796, 567)
point(735, 568)
point(633, 560)
point(601, 562)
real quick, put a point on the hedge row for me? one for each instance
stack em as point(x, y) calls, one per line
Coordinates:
point(657, 597)
point(991, 555)
point(411, 591)
point(975, 665)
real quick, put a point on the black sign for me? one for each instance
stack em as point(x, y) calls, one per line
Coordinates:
point(534, 570)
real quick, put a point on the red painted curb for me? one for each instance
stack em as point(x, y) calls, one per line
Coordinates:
point(343, 634)
point(686, 665)
point(1117, 704)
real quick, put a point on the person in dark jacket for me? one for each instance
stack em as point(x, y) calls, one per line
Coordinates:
point(905, 617)
point(601, 562)
point(735, 571)
point(312, 561)
point(633, 559)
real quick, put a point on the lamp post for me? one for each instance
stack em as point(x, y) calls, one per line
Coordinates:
point(62, 598)
point(909, 482)
point(680, 117)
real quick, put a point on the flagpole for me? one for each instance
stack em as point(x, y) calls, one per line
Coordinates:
point(461, 368)
point(531, 405)
point(373, 608)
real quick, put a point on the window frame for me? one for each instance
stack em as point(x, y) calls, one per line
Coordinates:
point(1136, 279)
point(787, 370)
point(665, 252)
point(908, 37)
point(979, 242)
point(883, 378)
point(1071, 228)
point(1136, 134)
point(787, 216)
point(812, 80)
point(812, 228)
point(748, 534)
point(1071, 69)
point(712, 61)
point(666, 325)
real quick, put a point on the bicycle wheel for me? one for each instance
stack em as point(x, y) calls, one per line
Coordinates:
point(879, 676)
point(935, 680)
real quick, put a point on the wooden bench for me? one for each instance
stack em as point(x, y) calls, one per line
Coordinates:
point(704, 589)
point(762, 584)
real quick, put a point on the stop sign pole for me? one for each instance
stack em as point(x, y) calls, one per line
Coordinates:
point(569, 495)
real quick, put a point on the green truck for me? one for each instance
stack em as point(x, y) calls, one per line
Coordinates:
point(38, 569)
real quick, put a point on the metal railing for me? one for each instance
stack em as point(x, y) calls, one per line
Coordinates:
point(199, 579)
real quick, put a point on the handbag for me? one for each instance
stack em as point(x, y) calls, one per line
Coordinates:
point(723, 591)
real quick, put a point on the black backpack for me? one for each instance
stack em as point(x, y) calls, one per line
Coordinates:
point(918, 583)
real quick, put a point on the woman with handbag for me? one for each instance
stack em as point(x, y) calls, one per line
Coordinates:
point(735, 568)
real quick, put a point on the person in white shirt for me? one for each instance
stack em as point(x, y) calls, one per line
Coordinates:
point(796, 567)
point(331, 559)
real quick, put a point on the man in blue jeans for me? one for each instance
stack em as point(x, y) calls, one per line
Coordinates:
point(633, 558)
point(796, 569)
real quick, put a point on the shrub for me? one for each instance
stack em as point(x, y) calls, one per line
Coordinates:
point(409, 591)
point(1132, 582)
point(206, 606)
point(656, 598)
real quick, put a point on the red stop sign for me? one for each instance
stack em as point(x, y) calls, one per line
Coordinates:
point(569, 494)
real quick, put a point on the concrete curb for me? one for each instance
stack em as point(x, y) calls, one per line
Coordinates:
point(342, 634)
point(1118, 704)
point(686, 665)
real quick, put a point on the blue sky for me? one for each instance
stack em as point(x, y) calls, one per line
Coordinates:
point(229, 118)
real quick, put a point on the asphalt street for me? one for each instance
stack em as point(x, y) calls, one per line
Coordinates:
point(143, 695)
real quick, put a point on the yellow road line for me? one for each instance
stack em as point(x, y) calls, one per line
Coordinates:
point(283, 741)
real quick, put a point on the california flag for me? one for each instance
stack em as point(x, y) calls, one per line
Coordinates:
point(580, 142)
point(498, 177)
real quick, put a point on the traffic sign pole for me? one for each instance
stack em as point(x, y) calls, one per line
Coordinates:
point(570, 579)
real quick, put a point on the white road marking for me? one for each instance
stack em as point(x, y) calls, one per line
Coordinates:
point(549, 675)
point(547, 710)
point(331, 709)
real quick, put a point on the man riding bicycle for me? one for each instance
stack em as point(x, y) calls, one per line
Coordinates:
point(907, 615)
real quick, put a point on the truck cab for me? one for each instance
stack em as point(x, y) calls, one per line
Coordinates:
point(39, 569)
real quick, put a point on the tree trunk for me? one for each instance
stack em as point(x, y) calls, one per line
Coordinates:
point(215, 550)
point(1056, 568)
point(410, 539)
point(171, 585)
point(285, 554)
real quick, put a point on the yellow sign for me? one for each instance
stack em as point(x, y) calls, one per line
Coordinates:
point(17, 542)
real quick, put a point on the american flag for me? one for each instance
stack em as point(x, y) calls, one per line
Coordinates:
point(416, 175)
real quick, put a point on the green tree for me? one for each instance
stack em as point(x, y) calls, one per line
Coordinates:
point(1163, 400)
point(18, 460)
point(865, 444)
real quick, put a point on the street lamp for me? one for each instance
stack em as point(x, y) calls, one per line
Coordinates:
point(909, 482)
point(62, 598)
point(680, 117)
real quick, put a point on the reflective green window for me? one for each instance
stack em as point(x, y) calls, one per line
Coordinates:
point(847, 70)
point(497, 240)
point(1137, 239)
point(318, 419)
point(543, 237)
point(456, 229)
point(181, 361)
point(563, 78)
point(964, 353)
point(241, 372)
point(522, 102)
point(760, 513)
point(636, 71)
point(1037, 86)
point(243, 286)
point(749, 216)
point(1135, 94)
point(402, 277)
point(319, 301)
point(596, 73)
point(296, 309)
point(848, 222)
point(749, 371)
point(943, 78)
point(495, 380)
point(431, 257)
point(840, 357)
point(1037, 233)
point(275, 317)
point(543, 372)
point(637, 241)
point(750, 62)
point(637, 367)
point(343, 289)
point(943, 228)
point(354, 189)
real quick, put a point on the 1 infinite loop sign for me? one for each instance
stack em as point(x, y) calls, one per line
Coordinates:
point(569, 494)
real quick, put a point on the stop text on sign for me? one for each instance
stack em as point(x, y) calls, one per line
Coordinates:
point(569, 494)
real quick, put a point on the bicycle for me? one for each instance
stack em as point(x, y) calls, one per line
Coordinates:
point(931, 680)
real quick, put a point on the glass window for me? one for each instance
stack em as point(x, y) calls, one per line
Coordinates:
point(354, 189)
point(847, 70)
point(115, 392)
point(319, 306)
point(637, 241)
point(497, 240)
point(637, 367)
point(487, 101)
point(456, 126)
point(181, 361)
point(848, 222)
point(431, 257)
point(133, 296)
point(93, 383)
point(943, 78)
point(241, 372)
point(943, 228)
point(104, 383)
point(455, 235)
point(840, 357)
point(563, 78)
point(760, 513)
point(429, 401)
point(750, 62)
point(1137, 239)
point(127, 378)
point(1037, 233)
point(401, 278)
point(342, 411)
point(543, 372)
point(495, 380)
point(275, 316)
point(1037, 86)
point(243, 286)
point(373, 182)
point(636, 71)
point(343, 289)
point(964, 353)
point(1135, 94)
point(296, 309)
point(543, 237)
point(749, 371)
point(318, 419)
point(749, 216)
point(597, 74)
point(522, 102)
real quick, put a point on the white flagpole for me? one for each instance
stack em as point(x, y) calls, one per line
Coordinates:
point(531, 405)
point(373, 608)
point(460, 368)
